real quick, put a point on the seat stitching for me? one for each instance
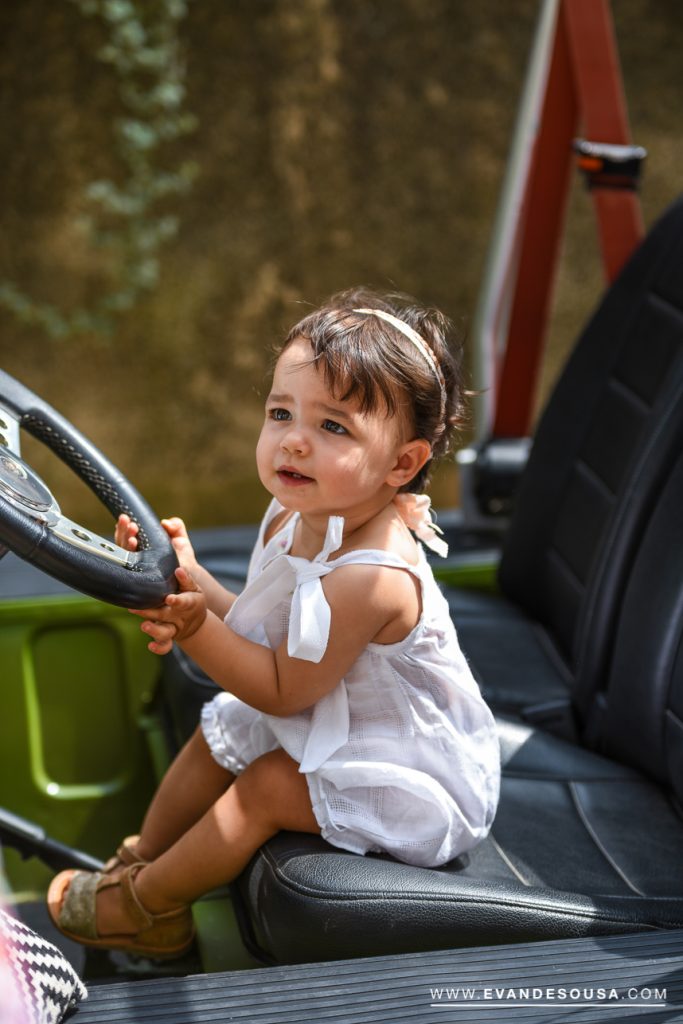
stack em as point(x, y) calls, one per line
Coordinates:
point(552, 653)
point(554, 553)
point(598, 842)
point(670, 306)
point(592, 477)
point(506, 860)
point(623, 388)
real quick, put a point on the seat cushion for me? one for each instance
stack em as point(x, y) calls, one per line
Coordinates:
point(514, 660)
point(567, 857)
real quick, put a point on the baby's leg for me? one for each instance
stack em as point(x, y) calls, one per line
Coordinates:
point(192, 784)
point(268, 796)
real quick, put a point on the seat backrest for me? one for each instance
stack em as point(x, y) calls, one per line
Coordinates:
point(641, 719)
point(603, 449)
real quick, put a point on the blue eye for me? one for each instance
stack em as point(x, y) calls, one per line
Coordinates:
point(333, 427)
point(279, 414)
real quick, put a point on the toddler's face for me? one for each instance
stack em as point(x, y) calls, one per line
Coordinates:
point(316, 453)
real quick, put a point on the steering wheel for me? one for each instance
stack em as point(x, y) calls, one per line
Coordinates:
point(32, 525)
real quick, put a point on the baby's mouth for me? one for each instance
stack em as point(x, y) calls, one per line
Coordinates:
point(292, 476)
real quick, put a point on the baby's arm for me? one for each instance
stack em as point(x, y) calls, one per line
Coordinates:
point(367, 603)
point(218, 599)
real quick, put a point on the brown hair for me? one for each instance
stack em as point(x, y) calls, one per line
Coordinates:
point(366, 358)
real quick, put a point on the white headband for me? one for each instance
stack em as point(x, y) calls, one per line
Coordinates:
point(419, 343)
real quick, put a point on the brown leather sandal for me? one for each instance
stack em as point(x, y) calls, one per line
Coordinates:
point(71, 901)
point(124, 857)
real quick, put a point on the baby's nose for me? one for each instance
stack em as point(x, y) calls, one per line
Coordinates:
point(295, 441)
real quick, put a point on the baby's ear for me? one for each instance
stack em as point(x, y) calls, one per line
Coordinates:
point(411, 457)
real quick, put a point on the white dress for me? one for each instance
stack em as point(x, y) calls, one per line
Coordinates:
point(402, 756)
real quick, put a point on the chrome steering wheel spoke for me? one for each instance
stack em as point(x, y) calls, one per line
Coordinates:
point(9, 431)
point(92, 543)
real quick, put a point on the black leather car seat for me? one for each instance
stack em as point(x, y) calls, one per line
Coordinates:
point(603, 448)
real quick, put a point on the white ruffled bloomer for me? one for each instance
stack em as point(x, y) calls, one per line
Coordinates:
point(402, 756)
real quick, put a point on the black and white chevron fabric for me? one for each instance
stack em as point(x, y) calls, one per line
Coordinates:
point(46, 982)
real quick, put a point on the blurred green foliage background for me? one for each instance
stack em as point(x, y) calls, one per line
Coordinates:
point(337, 142)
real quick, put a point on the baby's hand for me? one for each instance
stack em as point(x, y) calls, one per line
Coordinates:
point(180, 540)
point(126, 533)
point(179, 617)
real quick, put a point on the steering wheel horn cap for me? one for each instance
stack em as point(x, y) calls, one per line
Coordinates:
point(23, 488)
